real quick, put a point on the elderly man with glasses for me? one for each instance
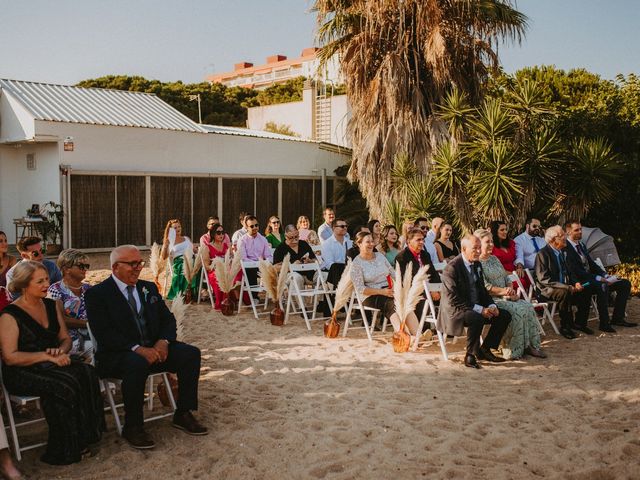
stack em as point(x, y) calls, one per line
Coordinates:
point(135, 335)
point(423, 224)
point(30, 248)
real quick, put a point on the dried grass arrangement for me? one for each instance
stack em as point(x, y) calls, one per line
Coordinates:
point(190, 268)
point(227, 269)
point(179, 310)
point(157, 264)
point(407, 292)
point(343, 295)
point(274, 283)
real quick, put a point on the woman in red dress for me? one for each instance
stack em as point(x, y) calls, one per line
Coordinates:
point(505, 249)
point(217, 248)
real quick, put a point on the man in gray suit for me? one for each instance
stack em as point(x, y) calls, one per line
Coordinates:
point(466, 303)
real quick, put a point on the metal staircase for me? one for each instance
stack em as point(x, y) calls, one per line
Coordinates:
point(322, 113)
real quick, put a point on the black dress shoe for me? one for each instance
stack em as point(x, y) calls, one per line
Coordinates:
point(470, 361)
point(607, 328)
point(567, 333)
point(138, 438)
point(187, 422)
point(584, 328)
point(623, 323)
point(485, 354)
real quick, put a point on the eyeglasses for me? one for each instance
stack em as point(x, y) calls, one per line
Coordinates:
point(219, 232)
point(83, 266)
point(275, 222)
point(424, 227)
point(255, 225)
point(35, 253)
point(293, 238)
point(535, 226)
point(341, 226)
point(135, 264)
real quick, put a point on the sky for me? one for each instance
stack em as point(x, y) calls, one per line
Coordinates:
point(65, 41)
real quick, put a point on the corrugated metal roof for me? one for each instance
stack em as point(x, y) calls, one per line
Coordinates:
point(98, 106)
point(245, 132)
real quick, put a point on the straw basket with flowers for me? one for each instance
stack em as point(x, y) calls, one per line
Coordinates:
point(274, 283)
point(227, 270)
point(343, 295)
point(407, 292)
point(190, 268)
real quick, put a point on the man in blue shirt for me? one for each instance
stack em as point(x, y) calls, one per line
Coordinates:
point(30, 248)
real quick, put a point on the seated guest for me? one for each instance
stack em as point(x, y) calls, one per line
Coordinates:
point(70, 292)
point(334, 251)
point(528, 244)
point(423, 224)
point(445, 248)
point(555, 282)
point(135, 335)
point(522, 336)
point(298, 250)
point(175, 252)
point(504, 249)
point(370, 272)
point(243, 229)
point(314, 242)
point(35, 361)
point(406, 226)
point(272, 232)
point(303, 225)
point(326, 229)
point(354, 251)
point(206, 238)
point(415, 255)
point(582, 267)
point(434, 232)
point(466, 303)
point(376, 231)
point(253, 246)
point(217, 248)
point(389, 246)
point(30, 248)
point(6, 261)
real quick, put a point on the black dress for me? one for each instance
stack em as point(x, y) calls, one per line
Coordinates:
point(448, 252)
point(70, 395)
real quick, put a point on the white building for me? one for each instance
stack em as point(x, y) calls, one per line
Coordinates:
point(123, 163)
point(278, 69)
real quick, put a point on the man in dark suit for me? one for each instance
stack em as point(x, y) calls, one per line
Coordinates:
point(136, 335)
point(466, 303)
point(582, 266)
point(555, 282)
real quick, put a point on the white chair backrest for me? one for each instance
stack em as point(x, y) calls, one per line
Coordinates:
point(514, 278)
point(249, 264)
point(304, 267)
point(440, 266)
point(600, 264)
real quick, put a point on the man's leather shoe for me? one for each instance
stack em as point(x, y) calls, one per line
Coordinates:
point(138, 438)
point(584, 328)
point(187, 422)
point(623, 323)
point(567, 333)
point(485, 354)
point(607, 328)
point(470, 361)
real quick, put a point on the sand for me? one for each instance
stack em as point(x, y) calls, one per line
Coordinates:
point(286, 403)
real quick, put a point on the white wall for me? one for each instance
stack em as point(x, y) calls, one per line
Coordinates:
point(107, 148)
point(20, 188)
point(17, 122)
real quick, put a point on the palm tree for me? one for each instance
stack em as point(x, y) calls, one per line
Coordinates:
point(400, 58)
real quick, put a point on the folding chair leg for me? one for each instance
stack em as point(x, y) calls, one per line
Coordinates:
point(172, 400)
point(347, 320)
point(150, 393)
point(443, 347)
point(112, 405)
point(12, 425)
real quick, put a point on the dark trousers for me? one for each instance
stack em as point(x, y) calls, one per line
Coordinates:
point(564, 299)
point(475, 323)
point(602, 291)
point(333, 277)
point(252, 276)
point(133, 369)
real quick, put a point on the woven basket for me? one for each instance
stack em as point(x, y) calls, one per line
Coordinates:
point(331, 327)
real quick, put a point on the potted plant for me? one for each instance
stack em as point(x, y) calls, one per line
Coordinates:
point(51, 227)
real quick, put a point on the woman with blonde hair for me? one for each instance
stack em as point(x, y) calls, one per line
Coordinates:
point(70, 292)
point(174, 246)
point(35, 349)
point(522, 336)
point(304, 227)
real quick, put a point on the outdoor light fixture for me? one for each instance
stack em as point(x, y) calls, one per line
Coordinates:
point(68, 144)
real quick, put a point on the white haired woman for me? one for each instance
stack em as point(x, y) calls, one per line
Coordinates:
point(522, 336)
point(35, 354)
point(70, 292)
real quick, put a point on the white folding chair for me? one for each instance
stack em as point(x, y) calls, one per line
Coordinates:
point(440, 266)
point(356, 302)
point(514, 278)
point(548, 308)
point(246, 287)
point(20, 401)
point(318, 288)
point(204, 279)
point(109, 384)
point(430, 314)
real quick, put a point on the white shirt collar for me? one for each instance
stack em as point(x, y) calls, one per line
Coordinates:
point(121, 285)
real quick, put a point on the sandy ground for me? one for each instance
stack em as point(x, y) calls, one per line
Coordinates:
point(286, 403)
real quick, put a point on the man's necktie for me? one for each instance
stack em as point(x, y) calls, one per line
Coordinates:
point(131, 299)
point(560, 269)
point(535, 245)
point(136, 314)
